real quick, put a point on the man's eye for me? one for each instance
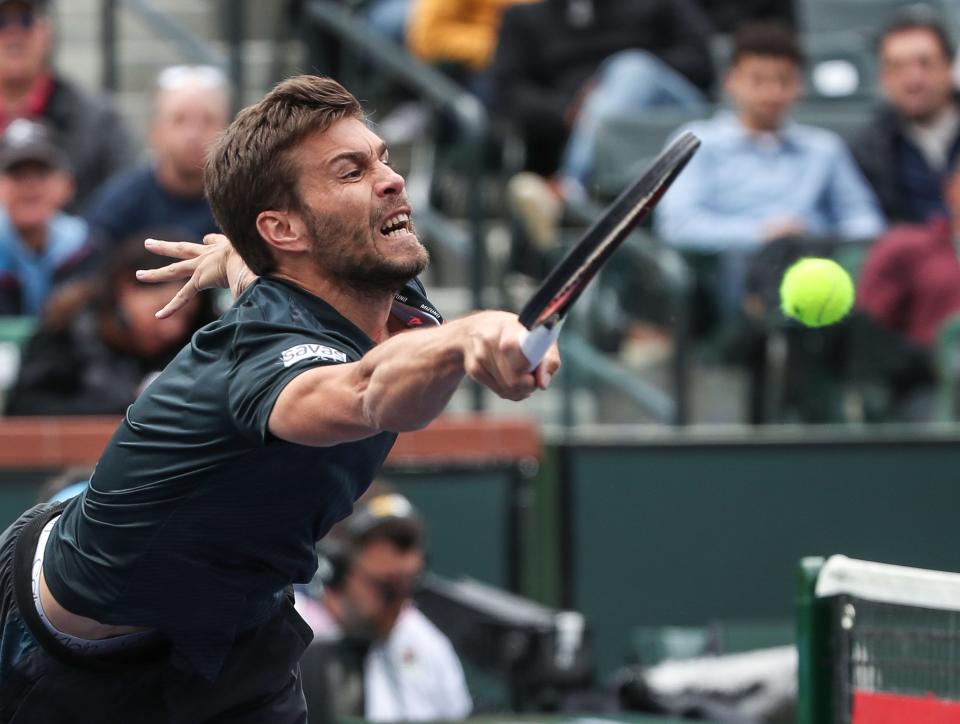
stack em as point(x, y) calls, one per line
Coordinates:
point(387, 162)
point(355, 173)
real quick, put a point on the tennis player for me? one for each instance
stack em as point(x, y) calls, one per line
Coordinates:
point(162, 593)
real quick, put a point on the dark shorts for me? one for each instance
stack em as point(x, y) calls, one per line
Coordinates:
point(42, 682)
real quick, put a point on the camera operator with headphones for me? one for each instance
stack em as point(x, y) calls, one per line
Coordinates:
point(410, 671)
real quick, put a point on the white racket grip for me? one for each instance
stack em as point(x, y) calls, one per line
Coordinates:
point(535, 342)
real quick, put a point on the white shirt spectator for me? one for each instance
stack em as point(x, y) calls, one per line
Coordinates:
point(413, 675)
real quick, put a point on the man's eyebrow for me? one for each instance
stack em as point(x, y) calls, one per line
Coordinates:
point(358, 157)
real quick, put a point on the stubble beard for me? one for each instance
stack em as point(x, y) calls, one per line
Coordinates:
point(351, 255)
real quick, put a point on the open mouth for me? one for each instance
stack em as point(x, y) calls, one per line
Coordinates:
point(396, 225)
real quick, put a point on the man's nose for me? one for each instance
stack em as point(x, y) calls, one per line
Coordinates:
point(390, 182)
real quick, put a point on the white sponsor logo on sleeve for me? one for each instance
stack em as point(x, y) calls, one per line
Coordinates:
point(311, 351)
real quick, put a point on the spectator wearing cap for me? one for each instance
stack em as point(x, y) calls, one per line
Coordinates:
point(88, 129)
point(40, 245)
point(190, 107)
point(410, 671)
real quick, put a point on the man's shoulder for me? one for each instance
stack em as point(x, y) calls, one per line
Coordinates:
point(881, 126)
point(68, 235)
point(815, 138)
point(68, 96)
point(414, 627)
point(126, 187)
point(270, 313)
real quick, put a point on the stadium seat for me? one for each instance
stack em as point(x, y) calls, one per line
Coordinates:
point(947, 356)
point(863, 16)
point(625, 144)
point(840, 65)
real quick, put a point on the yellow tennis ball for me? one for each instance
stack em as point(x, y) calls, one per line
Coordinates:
point(816, 292)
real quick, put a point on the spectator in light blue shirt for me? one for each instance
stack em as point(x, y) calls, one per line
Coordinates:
point(760, 177)
point(40, 245)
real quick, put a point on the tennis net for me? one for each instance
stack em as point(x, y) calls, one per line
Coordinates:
point(878, 643)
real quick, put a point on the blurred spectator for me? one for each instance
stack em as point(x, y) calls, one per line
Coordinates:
point(562, 67)
point(410, 671)
point(461, 33)
point(909, 146)
point(99, 343)
point(87, 128)
point(388, 17)
point(190, 107)
point(909, 285)
point(759, 177)
point(40, 246)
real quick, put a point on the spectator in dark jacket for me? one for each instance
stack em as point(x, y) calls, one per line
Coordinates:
point(40, 245)
point(190, 107)
point(909, 147)
point(88, 129)
point(99, 342)
point(561, 64)
point(563, 67)
point(727, 16)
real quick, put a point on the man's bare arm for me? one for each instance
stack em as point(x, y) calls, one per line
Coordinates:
point(405, 382)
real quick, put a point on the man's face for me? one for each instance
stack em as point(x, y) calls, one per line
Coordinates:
point(186, 122)
point(32, 192)
point(25, 37)
point(764, 88)
point(379, 584)
point(915, 74)
point(356, 210)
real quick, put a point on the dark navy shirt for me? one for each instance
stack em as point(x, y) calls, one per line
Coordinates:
point(133, 202)
point(921, 187)
point(196, 517)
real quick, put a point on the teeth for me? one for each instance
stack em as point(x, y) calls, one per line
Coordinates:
point(396, 226)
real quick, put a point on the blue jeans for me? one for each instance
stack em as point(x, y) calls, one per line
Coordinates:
point(627, 82)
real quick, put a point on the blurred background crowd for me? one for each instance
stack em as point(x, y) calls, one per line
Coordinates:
point(828, 128)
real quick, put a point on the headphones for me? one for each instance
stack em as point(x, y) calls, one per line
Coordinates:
point(334, 563)
point(336, 553)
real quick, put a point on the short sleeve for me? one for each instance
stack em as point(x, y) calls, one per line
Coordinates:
point(266, 357)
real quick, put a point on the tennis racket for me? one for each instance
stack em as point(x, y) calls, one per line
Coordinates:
point(544, 313)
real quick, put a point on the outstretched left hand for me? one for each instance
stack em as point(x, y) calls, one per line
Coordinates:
point(214, 264)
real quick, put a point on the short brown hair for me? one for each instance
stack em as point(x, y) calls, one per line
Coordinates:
point(767, 39)
point(250, 168)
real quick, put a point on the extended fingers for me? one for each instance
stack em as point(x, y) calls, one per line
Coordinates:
point(187, 292)
point(171, 272)
point(175, 249)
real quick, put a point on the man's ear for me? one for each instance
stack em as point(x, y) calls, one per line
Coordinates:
point(283, 230)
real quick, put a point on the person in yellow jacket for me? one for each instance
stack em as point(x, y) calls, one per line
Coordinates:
point(461, 34)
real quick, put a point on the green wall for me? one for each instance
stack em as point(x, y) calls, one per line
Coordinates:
point(688, 533)
point(18, 491)
point(467, 516)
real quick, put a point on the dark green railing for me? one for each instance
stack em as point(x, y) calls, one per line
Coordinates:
point(193, 48)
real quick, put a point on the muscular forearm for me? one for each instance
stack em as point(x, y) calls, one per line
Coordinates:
point(405, 382)
point(409, 379)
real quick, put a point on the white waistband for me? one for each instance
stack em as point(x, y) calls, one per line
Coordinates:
point(81, 646)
